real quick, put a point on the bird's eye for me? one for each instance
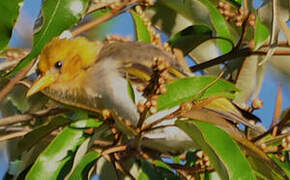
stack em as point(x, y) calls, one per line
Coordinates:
point(58, 64)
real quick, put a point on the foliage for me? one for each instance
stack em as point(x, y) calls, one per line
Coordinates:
point(56, 141)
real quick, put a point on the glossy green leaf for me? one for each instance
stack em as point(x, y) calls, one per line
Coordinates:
point(186, 89)
point(261, 34)
point(189, 10)
point(9, 11)
point(86, 123)
point(221, 27)
point(190, 37)
point(141, 31)
point(83, 168)
point(57, 16)
point(223, 151)
point(60, 151)
point(37, 134)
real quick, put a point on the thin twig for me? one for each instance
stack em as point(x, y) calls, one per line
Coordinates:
point(113, 160)
point(26, 117)
point(274, 33)
point(190, 169)
point(124, 170)
point(7, 64)
point(280, 124)
point(114, 149)
point(14, 81)
point(158, 127)
point(277, 52)
point(221, 59)
point(102, 19)
point(280, 44)
point(244, 30)
point(232, 55)
point(13, 135)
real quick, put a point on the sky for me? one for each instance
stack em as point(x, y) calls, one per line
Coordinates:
point(124, 27)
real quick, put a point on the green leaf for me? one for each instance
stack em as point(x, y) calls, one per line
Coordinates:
point(284, 165)
point(131, 90)
point(83, 168)
point(186, 89)
point(190, 37)
point(189, 10)
point(59, 152)
point(58, 16)
point(37, 134)
point(221, 26)
point(261, 34)
point(141, 32)
point(87, 123)
point(223, 151)
point(9, 11)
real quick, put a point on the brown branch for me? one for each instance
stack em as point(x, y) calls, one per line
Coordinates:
point(280, 124)
point(26, 117)
point(114, 149)
point(280, 44)
point(190, 169)
point(14, 81)
point(232, 55)
point(102, 19)
point(235, 53)
point(277, 52)
point(7, 64)
point(13, 135)
point(244, 30)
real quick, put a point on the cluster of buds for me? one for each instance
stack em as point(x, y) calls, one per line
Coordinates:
point(151, 104)
point(113, 4)
point(155, 37)
point(203, 161)
point(156, 86)
point(167, 47)
point(113, 38)
point(162, 65)
point(15, 54)
point(257, 103)
point(236, 16)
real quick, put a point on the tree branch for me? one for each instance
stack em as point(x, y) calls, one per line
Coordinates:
point(102, 19)
point(26, 117)
point(14, 81)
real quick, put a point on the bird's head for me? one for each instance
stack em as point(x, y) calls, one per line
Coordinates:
point(62, 60)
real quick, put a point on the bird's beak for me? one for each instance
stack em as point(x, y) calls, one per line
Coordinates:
point(42, 83)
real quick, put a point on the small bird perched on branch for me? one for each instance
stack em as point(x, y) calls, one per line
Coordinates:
point(94, 76)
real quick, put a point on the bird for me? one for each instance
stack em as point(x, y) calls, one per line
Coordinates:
point(94, 76)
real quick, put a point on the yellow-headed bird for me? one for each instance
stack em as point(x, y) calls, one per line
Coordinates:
point(93, 76)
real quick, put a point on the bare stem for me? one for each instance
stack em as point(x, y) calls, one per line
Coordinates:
point(13, 135)
point(14, 81)
point(102, 19)
point(26, 117)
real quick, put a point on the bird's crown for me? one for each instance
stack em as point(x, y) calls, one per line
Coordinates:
point(68, 53)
